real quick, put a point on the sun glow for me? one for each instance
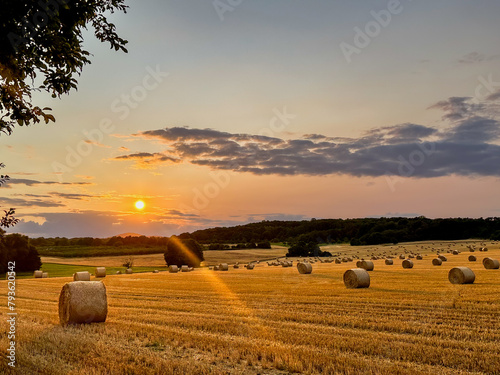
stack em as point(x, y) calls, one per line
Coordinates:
point(139, 205)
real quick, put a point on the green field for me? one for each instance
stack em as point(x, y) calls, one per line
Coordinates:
point(96, 251)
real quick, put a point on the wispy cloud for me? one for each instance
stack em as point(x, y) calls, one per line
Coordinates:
point(476, 57)
point(147, 160)
point(29, 182)
point(37, 202)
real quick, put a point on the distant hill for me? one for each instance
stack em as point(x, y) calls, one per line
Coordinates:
point(128, 234)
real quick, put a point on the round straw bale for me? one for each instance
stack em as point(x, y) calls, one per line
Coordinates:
point(236, 266)
point(443, 258)
point(338, 261)
point(472, 258)
point(38, 274)
point(129, 271)
point(407, 263)
point(401, 256)
point(216, 268)
point(156, 271)
point(223, 267)
point(81, 276)
point(45, 275)
point(304, 268)
point(389, 262)
point(83, 302)
point(356, 278)
point(461, 275)
point(250, 266)
point(365, 264)
point(173, 269)
point(118, 272)
point(100, 272)
point(455, 252)
point(420, 257)
point(184, 268)
point(437, 262)
point(491, 264)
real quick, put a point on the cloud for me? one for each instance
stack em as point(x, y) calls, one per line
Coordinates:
point(457, 108)
point(19, 202)
point(71, 195)
point(476, 57)
point(466, 147)
point(29, 182)
point(147, 160)
point(95, 143)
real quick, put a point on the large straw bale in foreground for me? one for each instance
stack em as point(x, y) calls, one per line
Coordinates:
point(356, 278)
point(461, 275)
point(81, 276)
point(304, 268)
point(83, 302)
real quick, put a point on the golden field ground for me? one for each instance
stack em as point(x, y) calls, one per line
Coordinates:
point(271, 320)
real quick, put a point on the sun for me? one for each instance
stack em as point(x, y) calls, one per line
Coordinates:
point(139, 205)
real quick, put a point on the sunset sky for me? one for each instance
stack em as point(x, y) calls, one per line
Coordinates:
point(223, 115)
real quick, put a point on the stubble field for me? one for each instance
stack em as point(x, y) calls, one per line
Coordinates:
point(271, 320)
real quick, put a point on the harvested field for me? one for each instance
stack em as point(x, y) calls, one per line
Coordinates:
point(270, 321)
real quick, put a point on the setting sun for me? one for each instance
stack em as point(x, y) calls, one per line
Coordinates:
point(139, 205)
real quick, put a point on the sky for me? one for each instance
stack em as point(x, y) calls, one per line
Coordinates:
point(228, 112)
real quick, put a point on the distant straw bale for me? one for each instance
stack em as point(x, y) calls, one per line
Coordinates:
point(461, 275)
point(356, 278)
point(100, 272)
point(437, 262)
point(304, 268)
point(366, 265)
point(173, 269)
point(81, 276)
point(407, 263)
point(491, 264)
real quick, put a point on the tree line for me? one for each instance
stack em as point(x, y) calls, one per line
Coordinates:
point(367, 231)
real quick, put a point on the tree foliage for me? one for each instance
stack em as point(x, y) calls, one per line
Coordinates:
point(183, 252)
point(16, 248)
point(41, 49)
point(369, 231)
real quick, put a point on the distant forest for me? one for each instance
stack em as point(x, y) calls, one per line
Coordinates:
point(354, 231)
point(368, 231)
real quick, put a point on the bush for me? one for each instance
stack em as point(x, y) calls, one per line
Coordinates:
point(183, 252)
point(16, 248)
